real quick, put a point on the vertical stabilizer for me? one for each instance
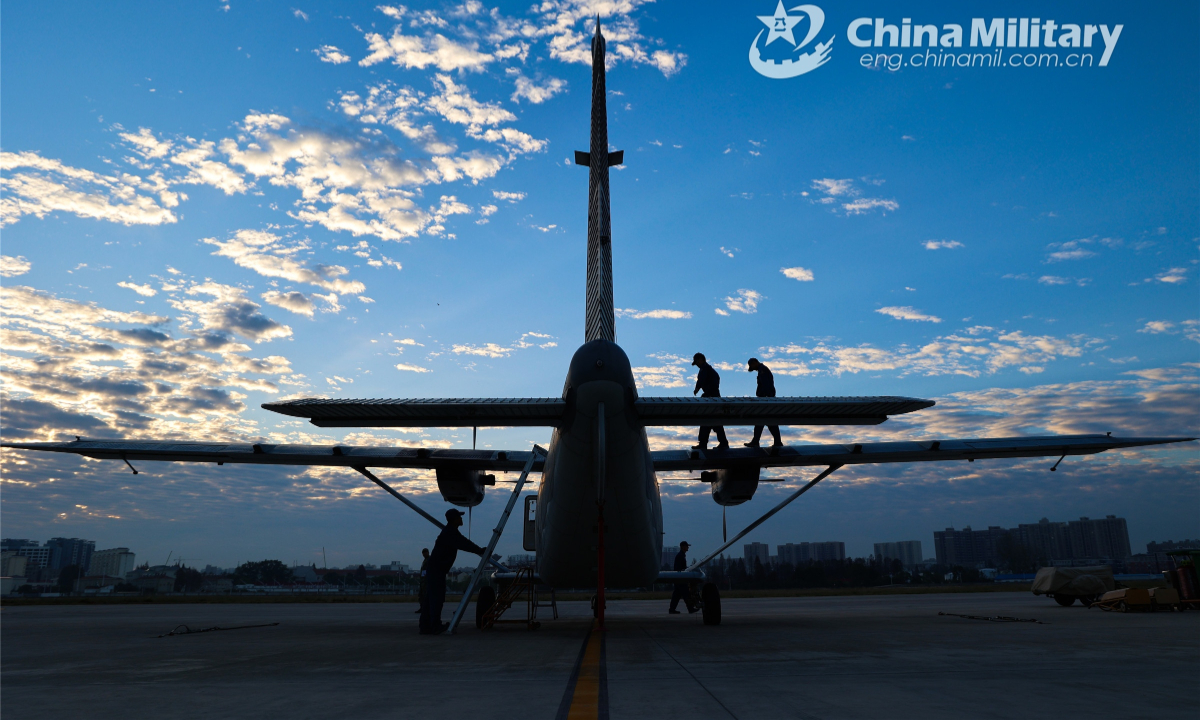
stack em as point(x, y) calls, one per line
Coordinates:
point(599, 321)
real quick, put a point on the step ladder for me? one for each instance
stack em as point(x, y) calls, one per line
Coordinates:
point(522, 586)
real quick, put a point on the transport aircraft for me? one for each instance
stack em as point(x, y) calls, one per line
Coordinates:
point(598, 513)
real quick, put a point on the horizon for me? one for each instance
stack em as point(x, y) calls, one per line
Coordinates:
point(250, 204)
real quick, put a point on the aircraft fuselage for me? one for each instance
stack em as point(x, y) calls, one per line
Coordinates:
point(568, 500)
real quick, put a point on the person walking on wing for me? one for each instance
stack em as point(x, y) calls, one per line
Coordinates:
point(766, 388)
point(445, 550)
point(421, 589)
point(708, 381)
point(682, 591)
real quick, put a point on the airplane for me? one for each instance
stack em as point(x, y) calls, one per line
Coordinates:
point(598, 512)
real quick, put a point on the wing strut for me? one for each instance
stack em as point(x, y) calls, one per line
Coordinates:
point(824, 474)
point(413, 505)
point(538, 452)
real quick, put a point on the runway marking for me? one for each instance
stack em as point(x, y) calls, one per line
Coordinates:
point(586, 697)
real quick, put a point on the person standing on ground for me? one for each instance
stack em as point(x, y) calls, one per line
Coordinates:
point(445, 550)
point(421, 589)
point(766, 388)
point(682, 589)
point(708, 382)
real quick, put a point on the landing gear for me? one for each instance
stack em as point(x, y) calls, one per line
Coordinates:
point(1065, 600)
point(710, 604)
point(596, 607)
point(483, 603)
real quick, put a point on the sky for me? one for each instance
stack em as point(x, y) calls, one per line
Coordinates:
point(211, 205)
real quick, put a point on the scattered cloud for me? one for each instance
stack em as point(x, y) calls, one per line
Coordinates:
point(908, 313)
point(1173, 276)
point(270, 255)
point(492, 350)
point(11, 266)
point(746, 301)
point(535, 91)
point(653, 314)
point(1057, 280)
point(406, 367)
point(143, 290)
point(331, 54)
point(942, 244)
point(229, 312)
point(511, 197)
point(1155, 327)
point(293, 301)
point(798, 273)
point(841, 194)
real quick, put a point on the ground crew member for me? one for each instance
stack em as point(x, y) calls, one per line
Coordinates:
point(682, 589)
point(421, 589)
point(766, 388)
point(708, 381)
point(445, 550)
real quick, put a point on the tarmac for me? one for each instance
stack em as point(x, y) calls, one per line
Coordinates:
point(830, 657)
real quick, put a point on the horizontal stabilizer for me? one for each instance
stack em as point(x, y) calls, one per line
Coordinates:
point(897, 452)
point(617, 157)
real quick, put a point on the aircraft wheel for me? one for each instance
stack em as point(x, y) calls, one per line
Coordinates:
point(710, 601)
point(1065, 600)
point(483, 603)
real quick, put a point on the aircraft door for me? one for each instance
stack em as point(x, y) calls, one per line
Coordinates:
point(529, 539)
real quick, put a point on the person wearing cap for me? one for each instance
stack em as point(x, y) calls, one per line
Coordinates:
point(708, 382)
point(766, 388)
point(445, 550)
point(682, 589)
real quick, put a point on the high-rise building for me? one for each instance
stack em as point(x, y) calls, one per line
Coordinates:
point(967, 547)
point(801, 553)
point(12, 564)
point(908, 552)
point(39, 557)
point(71, 551)
point(1047, 542)
point(668, 556)
point(757, 551)
point(114, 562)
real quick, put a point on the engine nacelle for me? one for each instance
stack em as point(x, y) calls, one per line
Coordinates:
point(733, 486)
point(463, 488)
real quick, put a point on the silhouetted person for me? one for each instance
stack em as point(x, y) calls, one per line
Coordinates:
point(766, 388)
point(421, 589)
point(682, 589)
point(445, 550)
point(709, 383)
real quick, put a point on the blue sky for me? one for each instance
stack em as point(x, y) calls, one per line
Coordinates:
point(208, 206)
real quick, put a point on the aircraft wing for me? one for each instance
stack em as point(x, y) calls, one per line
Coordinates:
point(549, 412)
point(269, 454)
point(897, 452)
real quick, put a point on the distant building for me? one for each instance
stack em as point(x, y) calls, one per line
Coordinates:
point(1079, 541)
point(39, 557)
point(397, 566)
point(71, 551)
point(114, 562)
point(757, 551)
point(802, 553)
point(12, 564)
point(908, 552)
point(521, 561)
point(668, 556)
point(1169, 545)
point(15, 544)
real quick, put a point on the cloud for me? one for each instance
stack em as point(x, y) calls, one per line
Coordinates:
point(1175, 275)
point(798, 273)
point(38, 186)
point(533, 91)
point(270, 255)
point(908, 313)
point(653, 314)
point(560, 22)
point(411, 368)
point(413, 52)
point(143, 290)
point(1057, 280)
point(300, 14)
point(746, 302)
point(492, 350)
point(512, 197)
point(13, 266)
point(842, 194)
point(1061, 255)
point(79, 368)
point(942, 244)
point(228, 312)
point(294, 301)
point(1155, 327)
point(330, 54)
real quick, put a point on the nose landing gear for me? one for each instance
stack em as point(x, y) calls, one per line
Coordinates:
point(710, 604)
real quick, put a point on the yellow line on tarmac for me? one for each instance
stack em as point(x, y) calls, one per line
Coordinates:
point(587, 691)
